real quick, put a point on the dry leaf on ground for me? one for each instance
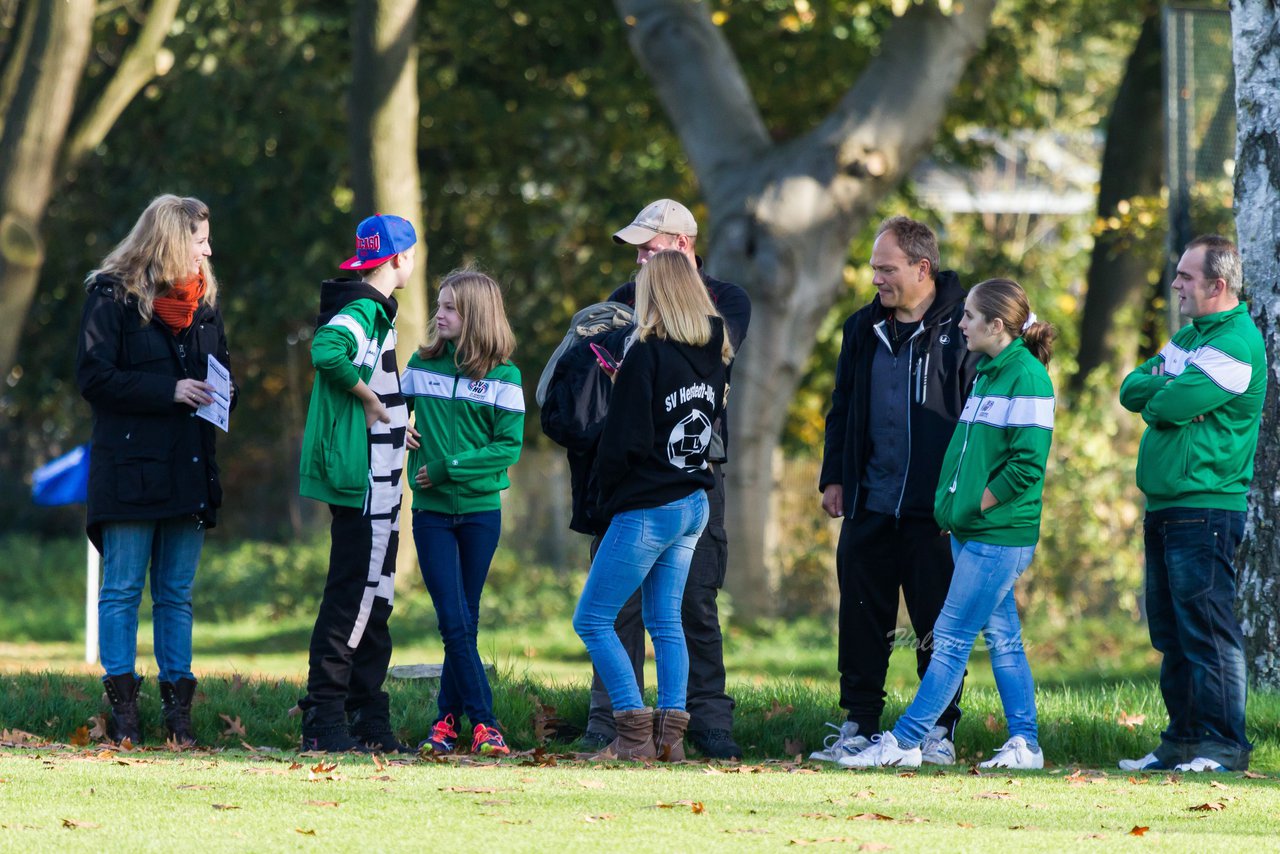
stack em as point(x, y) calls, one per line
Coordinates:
point(73, 824)
point(1212, 806)
point(224, 806)
point(870, 816)
point(778, 709)
point(1139, 830)
point(322, 803)
point(234, 727)
point(1127, 720)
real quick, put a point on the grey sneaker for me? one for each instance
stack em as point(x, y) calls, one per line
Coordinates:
point(845, 741)
point(1199, 765)
point(937, 749)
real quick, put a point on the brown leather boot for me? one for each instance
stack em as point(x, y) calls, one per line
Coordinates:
point(668, 734)
point(635, 737)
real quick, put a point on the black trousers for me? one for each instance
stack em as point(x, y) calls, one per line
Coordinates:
point(351, 644)
point(708, 705)
point(877, 555)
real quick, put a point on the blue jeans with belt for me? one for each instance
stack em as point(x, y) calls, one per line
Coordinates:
point(980, 599)
point(649, 549)
point(170, 549)
point(1191, 594)
point(454, 553)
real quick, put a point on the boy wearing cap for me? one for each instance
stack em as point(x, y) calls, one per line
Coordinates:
point(352, 457)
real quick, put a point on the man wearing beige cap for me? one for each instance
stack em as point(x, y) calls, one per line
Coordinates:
point(667, 224)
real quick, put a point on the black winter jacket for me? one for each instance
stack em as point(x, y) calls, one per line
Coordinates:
point(942, 371)
point(150, 458)
point(656, 439)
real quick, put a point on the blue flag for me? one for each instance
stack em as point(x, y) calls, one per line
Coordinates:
point(62, 481)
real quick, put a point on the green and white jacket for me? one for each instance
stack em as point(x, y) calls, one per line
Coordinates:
point(1002, 444)
point(1215, 367)
point(471, 432)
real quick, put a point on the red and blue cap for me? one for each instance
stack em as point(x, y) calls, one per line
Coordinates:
point(378, 238)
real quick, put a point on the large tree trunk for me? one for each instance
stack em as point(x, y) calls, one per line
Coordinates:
point(34, 125)
point(1256, 51)
point(384, 138)
point(782, 216)
point(51, 51)
point(384, 164)
point(1132, 165)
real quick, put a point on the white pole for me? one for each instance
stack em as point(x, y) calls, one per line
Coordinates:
point(91, 606)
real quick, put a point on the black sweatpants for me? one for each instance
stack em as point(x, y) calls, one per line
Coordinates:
point(876, 556)
point(708, 705)
point(351, 644)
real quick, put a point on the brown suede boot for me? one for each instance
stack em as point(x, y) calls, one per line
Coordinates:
point(635, 737)
point(668, 734)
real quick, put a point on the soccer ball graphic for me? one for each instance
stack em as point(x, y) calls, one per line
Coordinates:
point(687, 444)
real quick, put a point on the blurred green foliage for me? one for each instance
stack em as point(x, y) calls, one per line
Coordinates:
point(539, 136)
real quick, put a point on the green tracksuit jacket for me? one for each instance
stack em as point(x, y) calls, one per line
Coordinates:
point(1214, 367)
point(1001, 443)
point(471, 432)
point(355, 340)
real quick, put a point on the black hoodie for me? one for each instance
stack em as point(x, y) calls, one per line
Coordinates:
point(942, 370)
point(653, 449)
point(337, 294)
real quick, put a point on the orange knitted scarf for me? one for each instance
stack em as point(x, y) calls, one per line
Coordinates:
point(178, 307)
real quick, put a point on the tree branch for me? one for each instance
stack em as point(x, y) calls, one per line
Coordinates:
point(700, 84)
point(16, 58)
point(136, 70)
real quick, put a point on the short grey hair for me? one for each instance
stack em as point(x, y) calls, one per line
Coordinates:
point(1221, 261)
point(916, 240)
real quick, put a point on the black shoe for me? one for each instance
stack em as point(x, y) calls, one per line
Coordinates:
point(325, 730)
point(122, 694)
point(593, 742)
point(715, 743)
point(331, 739)
point(374, 731)
point(175, 701)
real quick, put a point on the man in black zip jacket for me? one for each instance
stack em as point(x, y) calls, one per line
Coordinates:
point(667, 224)
point(901, 383)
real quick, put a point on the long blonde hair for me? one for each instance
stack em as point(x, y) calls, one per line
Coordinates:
point(485, 339)
point(156, 254)
point(672, 303)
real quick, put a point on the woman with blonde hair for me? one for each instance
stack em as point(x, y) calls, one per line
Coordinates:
point(653, 476)
point(150, 324)
point(468, 405)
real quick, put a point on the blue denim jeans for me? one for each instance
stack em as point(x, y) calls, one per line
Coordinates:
point(171, 548)
point(649, 549)
point(454, 553)
point(1191, 594)
point(980, 598)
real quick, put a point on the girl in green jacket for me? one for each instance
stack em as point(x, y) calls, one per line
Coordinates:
point(989, 499)
point(468, 405)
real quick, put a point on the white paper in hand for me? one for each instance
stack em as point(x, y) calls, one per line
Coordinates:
point(219, 411)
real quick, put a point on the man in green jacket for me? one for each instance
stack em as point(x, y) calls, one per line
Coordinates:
point(1201, 397)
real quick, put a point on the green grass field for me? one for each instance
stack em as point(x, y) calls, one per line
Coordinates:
point(87, 800)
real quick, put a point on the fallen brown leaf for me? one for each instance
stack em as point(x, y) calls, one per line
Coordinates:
point(307, 832)
point(224, 806)
point(991, 723)
point(19, 738)
point(963, 824)
point(1135, 781)
point(870, 816)
point(1212, 806)
point(875, 846)
point(1253, 775)
point(322, 803)
point(995, 796)
point(80, 737)
point(794, 747)
point(605, 816)
point(73, 824)
point(193, 787)
point(820, 816)
point(234, 727)
point(836, 839)
point(97, 727)
point(1127, 720)
point(322, 767)
point(1139, 830)
point(1214, 784)
point(777, 709)
point(470, 790)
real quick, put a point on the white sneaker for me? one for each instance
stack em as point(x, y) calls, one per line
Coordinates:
point(1017, 756)
point(845, 741)
point(1150, 762)
point(1200, 764)
point(937, 749)
point(884, 752)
